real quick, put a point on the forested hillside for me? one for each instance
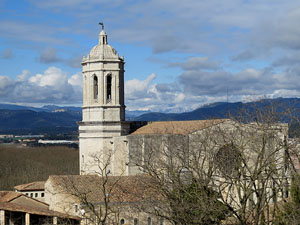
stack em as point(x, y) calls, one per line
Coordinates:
point(19, 165)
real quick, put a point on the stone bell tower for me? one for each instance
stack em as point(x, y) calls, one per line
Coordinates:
point(103, 111)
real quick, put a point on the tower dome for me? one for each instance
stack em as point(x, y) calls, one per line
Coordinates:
point(103, 50)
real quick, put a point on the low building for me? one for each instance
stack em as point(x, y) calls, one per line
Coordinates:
point(34, 190)
point(19, 209)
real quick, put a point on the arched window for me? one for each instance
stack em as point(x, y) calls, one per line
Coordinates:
point(122, 221)
point(149, 221)
point(108, 88)
point(228, 160)
point(135, 221)
point(95, 87)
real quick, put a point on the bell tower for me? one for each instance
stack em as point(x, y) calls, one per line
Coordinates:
point(103, 110)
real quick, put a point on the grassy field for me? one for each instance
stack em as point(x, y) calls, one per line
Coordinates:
point(19, 165)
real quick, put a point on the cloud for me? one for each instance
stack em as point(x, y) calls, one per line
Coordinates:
point(7, 54)
point(53, 86)
point(32, 32)
point(75, 80)
point(23, 76)
point(74, 62)
point(197, 63)
point(137, 89)
point(49, 55)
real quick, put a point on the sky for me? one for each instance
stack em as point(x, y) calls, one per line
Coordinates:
point(179, 54)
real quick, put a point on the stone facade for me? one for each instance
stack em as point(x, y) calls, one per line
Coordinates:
point(103, 105)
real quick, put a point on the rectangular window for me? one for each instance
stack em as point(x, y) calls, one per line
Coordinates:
point(42, 195)
point(36, 195)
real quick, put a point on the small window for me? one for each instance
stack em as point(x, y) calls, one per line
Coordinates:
point(95, 87)
point(31, 195)
point(43, 195)
point(149, 222)
point(135, 221)
point(27, 194)
point(76, 208)
point(161, 221)
point(36, 195)
point(122, 221)
point(108, 88)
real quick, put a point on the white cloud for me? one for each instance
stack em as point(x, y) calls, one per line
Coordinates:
point(75, 80)
point(23, 76)
point(52, 86)
point(136, 89)
point(52, 77)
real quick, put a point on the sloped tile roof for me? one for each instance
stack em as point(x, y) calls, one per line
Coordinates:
point(118, 188)
point(33, 210)
point(7, 196)
point(176, 127)
point(33, 186)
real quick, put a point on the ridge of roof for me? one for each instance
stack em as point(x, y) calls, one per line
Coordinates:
point(176, 127)
point(33, 186)
point(7, 196)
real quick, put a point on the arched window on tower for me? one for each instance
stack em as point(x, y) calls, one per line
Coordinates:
point(95, 87)
point(108, 88)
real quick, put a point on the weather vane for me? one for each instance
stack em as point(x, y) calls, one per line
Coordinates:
point(102, 25)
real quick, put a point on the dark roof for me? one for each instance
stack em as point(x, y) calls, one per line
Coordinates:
point(33, 186)
point(118, 188)
point(177, 127)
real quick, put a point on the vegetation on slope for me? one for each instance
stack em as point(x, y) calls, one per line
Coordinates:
point(20, 165)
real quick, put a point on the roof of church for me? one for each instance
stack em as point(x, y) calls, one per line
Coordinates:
point(177, 127)
point(33, 186)
point(119, 188)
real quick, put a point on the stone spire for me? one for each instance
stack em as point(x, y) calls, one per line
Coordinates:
point(102, 36)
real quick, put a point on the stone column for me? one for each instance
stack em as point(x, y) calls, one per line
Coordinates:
point(27, 219)
point(2, 217)
point(55, 220)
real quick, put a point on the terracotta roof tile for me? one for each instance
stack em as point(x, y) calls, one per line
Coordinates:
point(177, 127)
point(7, 196)
point(33, 186)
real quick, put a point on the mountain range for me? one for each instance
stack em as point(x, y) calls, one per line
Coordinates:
point(16, 119)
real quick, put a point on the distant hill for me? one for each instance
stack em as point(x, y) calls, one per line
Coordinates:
point(28, 121)
point(51, 119)
point(222, 110)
